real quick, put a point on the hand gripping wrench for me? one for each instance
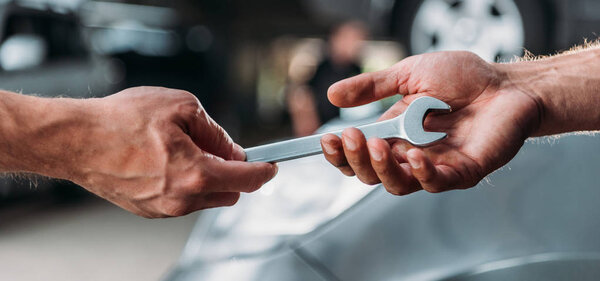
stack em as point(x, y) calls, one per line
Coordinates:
point(407, 126)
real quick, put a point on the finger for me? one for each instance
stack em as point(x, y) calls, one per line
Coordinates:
point(212, 138)
point(395, 110)
point(190, 204)
point(432, 178)
point(369, 87)
point(399, 149)
point(334, 153)
point(357, 154)
point(396, 179)
point(238, 153)
point(219, 199)
point(235, 176)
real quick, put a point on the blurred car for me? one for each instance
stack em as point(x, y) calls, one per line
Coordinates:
point(158, 43)
point(536, 219)
point(42, 51)
point(494, 29)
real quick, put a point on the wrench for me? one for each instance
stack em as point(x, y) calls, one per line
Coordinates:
point(407, 126)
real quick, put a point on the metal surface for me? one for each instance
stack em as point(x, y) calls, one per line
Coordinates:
point(536, 219)
point(545, 201)
point(407, 126)
point(252, 268)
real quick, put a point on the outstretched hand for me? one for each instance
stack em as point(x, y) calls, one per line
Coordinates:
point(157, 153)
point(489, 123)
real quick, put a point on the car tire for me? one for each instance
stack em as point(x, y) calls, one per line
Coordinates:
point(535, 17)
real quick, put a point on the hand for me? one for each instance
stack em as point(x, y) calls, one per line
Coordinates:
point(489, 123)
point(155, 152)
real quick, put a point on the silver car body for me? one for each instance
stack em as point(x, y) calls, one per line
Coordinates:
point(538, 218)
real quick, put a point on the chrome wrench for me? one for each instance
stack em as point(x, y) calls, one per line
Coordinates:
point(407, 126)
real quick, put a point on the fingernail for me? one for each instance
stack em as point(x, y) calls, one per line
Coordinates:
point(328, 148)
point(414, 163)
point(350, 143)
point(375, 154)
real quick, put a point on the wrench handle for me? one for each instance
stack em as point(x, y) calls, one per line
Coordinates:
point(286, 150)
point(311, 145)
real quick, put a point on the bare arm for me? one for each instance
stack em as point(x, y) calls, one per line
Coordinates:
point(152, 151)
point(567, 86)
point(25, 122)
point(496, 107)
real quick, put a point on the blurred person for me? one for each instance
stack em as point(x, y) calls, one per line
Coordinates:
point(308, 104)
point(495, 108)
point(152, 151)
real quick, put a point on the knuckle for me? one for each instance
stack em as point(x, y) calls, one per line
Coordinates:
point(182, 94)
point(187, 103)
point(187, 94)
point(198, 182)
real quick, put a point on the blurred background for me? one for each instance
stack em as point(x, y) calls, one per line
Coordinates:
point(260, 68)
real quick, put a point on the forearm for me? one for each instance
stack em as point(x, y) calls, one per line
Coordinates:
point(566, 87)
point(39, 135)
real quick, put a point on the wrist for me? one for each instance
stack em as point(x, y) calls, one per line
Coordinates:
point(44, 135)
point(564, 88)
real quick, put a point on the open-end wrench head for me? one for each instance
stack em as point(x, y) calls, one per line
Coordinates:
point(415, 115)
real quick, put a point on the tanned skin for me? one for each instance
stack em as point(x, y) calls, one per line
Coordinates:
point(496, 107)
point(152, 151)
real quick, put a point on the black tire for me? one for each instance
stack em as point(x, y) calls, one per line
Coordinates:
point(536, 15)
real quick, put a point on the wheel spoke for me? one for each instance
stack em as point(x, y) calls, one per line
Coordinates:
point(477, 8)
point(434, 16)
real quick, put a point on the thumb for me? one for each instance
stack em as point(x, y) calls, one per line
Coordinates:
point(370, 87)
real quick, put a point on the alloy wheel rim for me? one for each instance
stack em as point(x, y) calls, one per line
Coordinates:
point(493, 29)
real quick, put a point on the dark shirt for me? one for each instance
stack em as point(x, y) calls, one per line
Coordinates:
point(327, 73)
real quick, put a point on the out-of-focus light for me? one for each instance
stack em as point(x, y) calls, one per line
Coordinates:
point(22, 51)
point(59, 6)
point(133, 36)
point(304, 59)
